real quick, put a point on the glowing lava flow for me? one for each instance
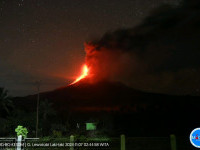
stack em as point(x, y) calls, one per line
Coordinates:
point(84, 73)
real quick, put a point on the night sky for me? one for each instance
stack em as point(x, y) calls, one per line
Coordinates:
point(44, 39)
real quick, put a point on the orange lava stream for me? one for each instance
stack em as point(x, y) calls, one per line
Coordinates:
point(84, 73)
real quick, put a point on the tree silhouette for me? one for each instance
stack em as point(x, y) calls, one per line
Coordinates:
point(5, 101)
point(46, 109)
point(46, 113)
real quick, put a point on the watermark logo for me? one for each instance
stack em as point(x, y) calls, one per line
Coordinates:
point(195, 137)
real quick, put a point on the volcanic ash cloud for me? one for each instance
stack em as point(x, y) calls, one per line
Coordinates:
point(159, 55)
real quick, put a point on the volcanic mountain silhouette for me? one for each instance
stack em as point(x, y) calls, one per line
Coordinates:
point(105, 94)
point(101, 95)
point(144, 113)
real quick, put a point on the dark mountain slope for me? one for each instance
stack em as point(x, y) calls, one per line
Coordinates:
point(127, 110)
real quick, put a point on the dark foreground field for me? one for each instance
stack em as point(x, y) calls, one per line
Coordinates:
point(131, 143)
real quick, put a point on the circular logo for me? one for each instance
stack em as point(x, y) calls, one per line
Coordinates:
point(195, 137)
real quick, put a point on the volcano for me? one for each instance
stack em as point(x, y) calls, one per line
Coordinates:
point(123, 108)
point(103, 95)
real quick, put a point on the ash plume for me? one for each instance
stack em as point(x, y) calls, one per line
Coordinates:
point(159, 55)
